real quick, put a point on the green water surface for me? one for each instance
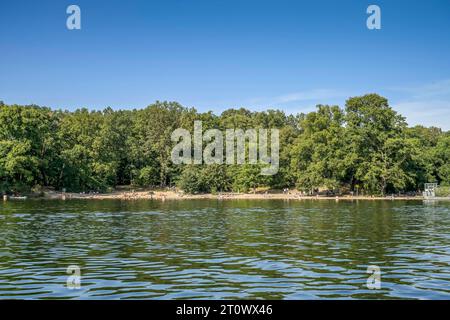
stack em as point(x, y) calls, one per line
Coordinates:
point(230, 249)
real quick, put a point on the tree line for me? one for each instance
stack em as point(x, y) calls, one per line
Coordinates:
point(365, 147)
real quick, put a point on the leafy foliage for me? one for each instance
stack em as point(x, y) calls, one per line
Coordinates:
point(365, 146)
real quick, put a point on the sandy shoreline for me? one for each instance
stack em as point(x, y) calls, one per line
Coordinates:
point(172, 195)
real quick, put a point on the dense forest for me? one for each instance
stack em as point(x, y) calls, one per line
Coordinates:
point(365, 147)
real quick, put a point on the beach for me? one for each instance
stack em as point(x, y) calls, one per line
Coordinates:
point(177, 195)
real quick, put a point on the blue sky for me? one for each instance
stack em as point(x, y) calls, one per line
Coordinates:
point(215, 55)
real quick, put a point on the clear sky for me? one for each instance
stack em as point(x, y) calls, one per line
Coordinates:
point(215, 55)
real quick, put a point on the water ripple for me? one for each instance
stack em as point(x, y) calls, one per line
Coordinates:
point(224, 249)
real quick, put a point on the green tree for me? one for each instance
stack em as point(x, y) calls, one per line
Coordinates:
point(372, 129)
point(318, 156)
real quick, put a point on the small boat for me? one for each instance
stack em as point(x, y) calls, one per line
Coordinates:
point(18, 198)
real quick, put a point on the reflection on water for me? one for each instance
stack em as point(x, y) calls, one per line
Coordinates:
point(242, 249)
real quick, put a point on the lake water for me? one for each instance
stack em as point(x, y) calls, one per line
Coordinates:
point(211, 249)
